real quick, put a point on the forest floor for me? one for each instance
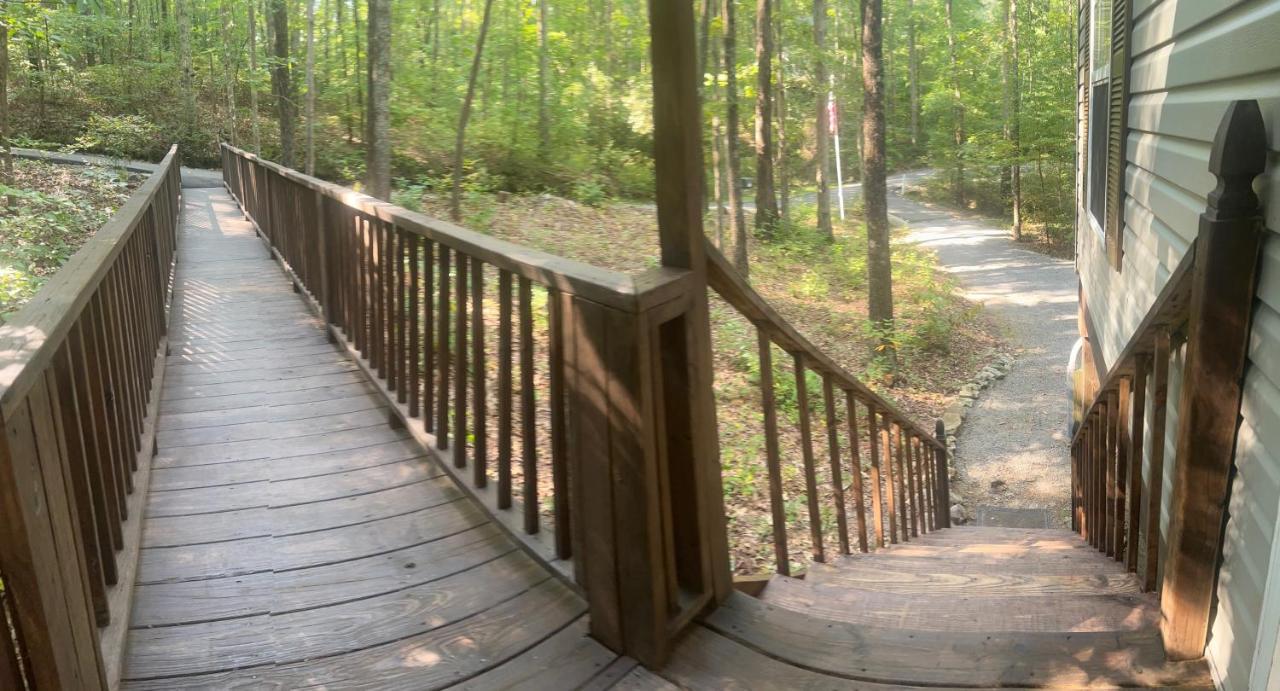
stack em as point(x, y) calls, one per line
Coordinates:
point(1012, 449)
point(943, 338)
point(56, 208)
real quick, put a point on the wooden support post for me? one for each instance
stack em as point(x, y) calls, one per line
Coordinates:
point(944, 478)
point(1222, 293)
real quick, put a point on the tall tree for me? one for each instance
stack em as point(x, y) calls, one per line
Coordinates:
point(913, 78)
point(766, 195)
point(544, 88)
point(311, 88)
point(455, 197)
point(377, 139)
point(253, 77)
point(957, 108)
point(281, 88)
point(1013, 127)
point(784, 176)
point(875, 204)
point(186, 71)
point(5, 150)
point(737, 218)
point(822, 122)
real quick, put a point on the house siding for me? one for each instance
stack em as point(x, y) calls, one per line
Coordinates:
point(1190, 59)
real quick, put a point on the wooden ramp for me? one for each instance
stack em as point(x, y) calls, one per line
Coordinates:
point(293, 538)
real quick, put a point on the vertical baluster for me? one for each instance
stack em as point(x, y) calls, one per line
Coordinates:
point(855, 468)
point(559, 434)
point(401, 384)
point(361, 243)
point(460, 360)
point(111, 389)
point(773, 457)
point(1122, 469)
point(478, 393)
point(430, 348)
point(1155, 485)
point(1141, 364)
point(890, 473)
point(930, 486)
point(1100, 477)
point(528, 410)
point(504, 389)
point(919, 522)
point(382, 306)
point(833, 452)
point(444, 351)
point(877, 491)
point(95, 369)
point(1110, 458)
point(910, 505)
point(93, 535)
point(900, 472)
point(415, 336)
point(121, 398)
point(806, 449)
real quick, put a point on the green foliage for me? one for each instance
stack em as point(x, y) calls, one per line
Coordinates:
point(123, 136)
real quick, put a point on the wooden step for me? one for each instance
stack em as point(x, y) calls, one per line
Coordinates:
point(931, 658)
point(910, 582)
point(935, 560)
point(965, 612)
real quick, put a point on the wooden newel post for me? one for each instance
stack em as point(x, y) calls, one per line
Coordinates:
point(1222, 294)
point(649, 523)
point(943, 506)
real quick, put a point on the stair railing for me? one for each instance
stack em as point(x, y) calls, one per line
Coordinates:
point(80, 368)
point(1204, 309)
point(909, 487)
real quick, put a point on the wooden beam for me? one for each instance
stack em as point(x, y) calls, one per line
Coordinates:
point(1222, 294)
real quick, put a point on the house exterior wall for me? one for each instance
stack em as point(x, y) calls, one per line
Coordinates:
point(1190, 59)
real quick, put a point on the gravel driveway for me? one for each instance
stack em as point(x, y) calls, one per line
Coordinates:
point(1012, 449)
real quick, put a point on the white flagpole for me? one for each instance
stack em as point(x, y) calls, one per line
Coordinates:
point(833, 123)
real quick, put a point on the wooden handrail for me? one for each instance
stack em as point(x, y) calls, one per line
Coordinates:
point(728, 284)
point(910, 489)
point(80, 368)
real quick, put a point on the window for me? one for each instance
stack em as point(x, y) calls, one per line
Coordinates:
point(1100, 13)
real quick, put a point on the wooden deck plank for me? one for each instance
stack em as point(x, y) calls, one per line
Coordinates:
point(283, 413)
point(953, 611)
point(565, 660)
point(398, 448)
point(899, 656)
point(294, 447)
point(954, 581)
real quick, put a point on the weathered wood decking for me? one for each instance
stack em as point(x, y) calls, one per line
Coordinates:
point(292, 537)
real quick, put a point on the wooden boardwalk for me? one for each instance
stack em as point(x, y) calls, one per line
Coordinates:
point(293, 538)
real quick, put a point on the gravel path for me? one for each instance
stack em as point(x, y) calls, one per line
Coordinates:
point(191, 177)
point(1015, 433)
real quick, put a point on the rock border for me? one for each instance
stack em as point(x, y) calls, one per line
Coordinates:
point(954, 416)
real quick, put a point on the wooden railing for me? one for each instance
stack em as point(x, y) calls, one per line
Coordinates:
point(80, 366)
point(583, 476)
point(1206, 304)
point(907, 466)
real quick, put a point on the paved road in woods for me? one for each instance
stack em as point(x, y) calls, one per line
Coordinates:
point(1015, 433)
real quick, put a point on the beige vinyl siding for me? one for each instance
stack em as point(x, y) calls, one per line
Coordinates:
point(1190, 59)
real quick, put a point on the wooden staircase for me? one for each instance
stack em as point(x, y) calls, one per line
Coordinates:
point(962, 608)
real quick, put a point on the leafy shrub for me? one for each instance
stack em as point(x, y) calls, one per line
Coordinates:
point(123, 136)
point(589, 192)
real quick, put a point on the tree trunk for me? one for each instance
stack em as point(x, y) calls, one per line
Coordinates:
point(879, 265)
point(187, 72)
point(784, 177)
point(230, 70)
point(311, 88)
point(737, 219)
point(957, 108)
point(378, 144)
point(253, 77)
point(544, 113)
point(5, 151)
point(1015, 130)
point(281, 89)
point(455, 197)
point(355, 20)
point(766, 196)
point(717, 137)
point(822, 124)
point(913, 76)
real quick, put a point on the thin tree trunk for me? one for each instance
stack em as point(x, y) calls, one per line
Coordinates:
point(737, 219)
point(187, 71)
point(311, 88)
point(704, 42)
point(280, 85)
point(822, 118)
point(544, 112)
point(957, 107)
point(455, 197)
point(766, 196)
point(253, 77)
point(913, 76)
point(378, 146)
point(5, 151)
point(347, 118)
point(717, 144)
point(355, 19)
point(875, 204)
point(784, 177)
point(1015, 130)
